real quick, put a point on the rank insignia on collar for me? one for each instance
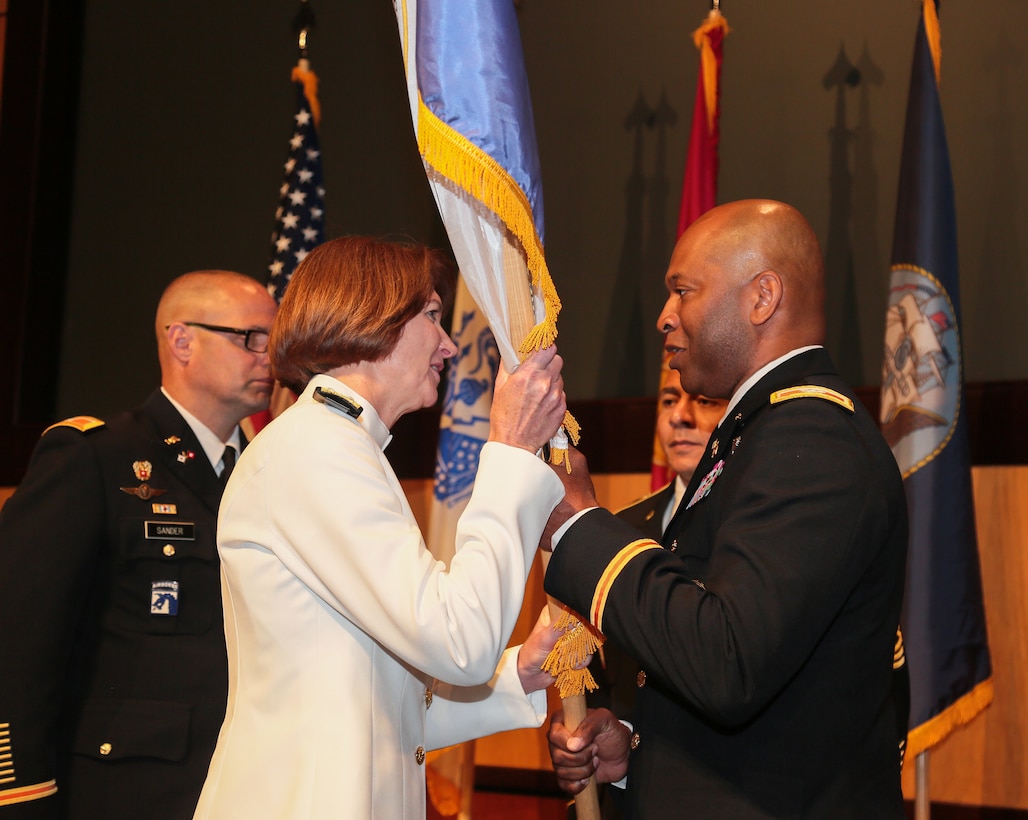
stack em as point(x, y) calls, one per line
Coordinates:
point(738, 416)
point(143, 491)
point(172, 440)
point(735, 443)
point(142, 469)
point(713, 447)
point(185, 456)
point(338, 401)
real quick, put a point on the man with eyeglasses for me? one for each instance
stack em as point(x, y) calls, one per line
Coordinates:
point(114, 676)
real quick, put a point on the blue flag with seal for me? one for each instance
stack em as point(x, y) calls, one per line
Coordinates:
point(472, 116)
point(464, 423)
point(922, 418)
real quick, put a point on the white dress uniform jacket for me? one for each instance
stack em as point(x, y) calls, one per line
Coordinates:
point(351, 650)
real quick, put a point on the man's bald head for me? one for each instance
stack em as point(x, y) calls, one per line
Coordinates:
point(199, 295)
point(205, 365)
point(754, 235)
point(746, 285)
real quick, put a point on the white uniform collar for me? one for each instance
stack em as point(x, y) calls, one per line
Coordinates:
point(368, 419)
point(213, 447)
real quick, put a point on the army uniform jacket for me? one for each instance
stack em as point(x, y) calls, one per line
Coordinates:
point(352, 651)
point(615, 670)
point(114, 671)
point(767, 636)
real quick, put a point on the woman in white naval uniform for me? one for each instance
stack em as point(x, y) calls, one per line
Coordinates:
point(352, 650)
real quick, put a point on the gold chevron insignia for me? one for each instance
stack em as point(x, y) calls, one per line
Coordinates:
point(812, 391)
point(81, 423)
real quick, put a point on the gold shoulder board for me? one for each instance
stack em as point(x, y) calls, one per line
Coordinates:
point(81, 423)
point(812, 391)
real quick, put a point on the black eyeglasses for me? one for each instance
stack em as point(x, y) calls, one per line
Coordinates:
point(255, 340)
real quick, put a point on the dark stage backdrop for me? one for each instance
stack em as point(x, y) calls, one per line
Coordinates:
point(159, 150)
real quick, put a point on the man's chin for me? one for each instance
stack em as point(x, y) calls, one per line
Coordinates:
point(685, 467)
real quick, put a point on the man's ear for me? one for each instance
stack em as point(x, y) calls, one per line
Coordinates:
point(179, 338)
point(767, 297)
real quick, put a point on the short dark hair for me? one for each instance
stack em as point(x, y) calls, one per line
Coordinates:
point(348, 301)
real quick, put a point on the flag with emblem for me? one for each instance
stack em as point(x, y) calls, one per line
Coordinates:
point(699, 183)
point(472, 116)
point(922, 418)
point(464, 424)
point(300, 216)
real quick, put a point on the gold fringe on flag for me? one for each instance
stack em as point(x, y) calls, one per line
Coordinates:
point(935, 730)
point(460, 160)
point(474, 171)
point(701, 37)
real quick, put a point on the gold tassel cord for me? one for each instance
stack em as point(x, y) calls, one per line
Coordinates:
point(933, 32)
point(310, 90)
point(701, 37)
point(566, 662)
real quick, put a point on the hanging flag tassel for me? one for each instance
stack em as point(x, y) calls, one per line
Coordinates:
point(701, 38)
point(302, 74)
point(933, 33)
point(567, 661)
point(570, 429)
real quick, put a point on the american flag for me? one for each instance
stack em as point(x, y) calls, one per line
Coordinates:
point(299, 218)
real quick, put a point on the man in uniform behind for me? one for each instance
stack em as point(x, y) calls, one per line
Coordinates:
point(114, 674)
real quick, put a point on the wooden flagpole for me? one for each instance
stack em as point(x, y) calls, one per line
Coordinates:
point(518, 286)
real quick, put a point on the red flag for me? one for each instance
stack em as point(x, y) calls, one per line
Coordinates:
point(699, 185)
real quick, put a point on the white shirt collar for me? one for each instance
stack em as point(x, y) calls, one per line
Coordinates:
point(213, 447)
point(744, 388)
point(676, 499)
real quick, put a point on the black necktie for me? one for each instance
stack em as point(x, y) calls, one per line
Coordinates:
point(228, 459)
